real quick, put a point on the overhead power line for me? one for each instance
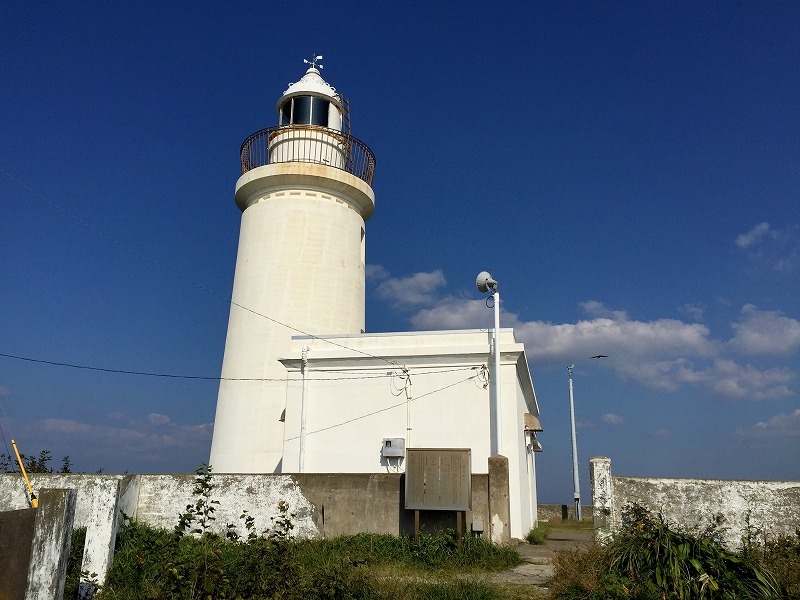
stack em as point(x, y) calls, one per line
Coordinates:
point(384, 409)
point(209, 378)
point(186, 280)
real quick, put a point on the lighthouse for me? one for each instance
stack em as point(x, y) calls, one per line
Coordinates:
point(305, 195)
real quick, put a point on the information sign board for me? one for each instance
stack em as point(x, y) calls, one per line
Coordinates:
point(438, 479)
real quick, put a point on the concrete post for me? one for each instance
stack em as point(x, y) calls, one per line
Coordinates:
point(16, 538)
point(102, 523)
point(51, 540)
point(499, 504)
point(602, 498)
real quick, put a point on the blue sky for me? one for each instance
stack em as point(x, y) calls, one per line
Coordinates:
point(628, 172)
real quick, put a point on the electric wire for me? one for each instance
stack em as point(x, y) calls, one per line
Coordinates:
point(215, 378)
point(384, 409)
point(231, 302)
point(186, 280)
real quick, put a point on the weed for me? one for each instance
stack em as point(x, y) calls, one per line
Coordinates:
point(191, 562)
point(649, 558)
point(538, 534)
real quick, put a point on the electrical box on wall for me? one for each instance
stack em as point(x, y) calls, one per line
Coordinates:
point(393, 447)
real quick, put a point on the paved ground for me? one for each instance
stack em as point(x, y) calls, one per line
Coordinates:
point(538, 566)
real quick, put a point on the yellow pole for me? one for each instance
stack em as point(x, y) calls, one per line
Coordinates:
point(34, 499)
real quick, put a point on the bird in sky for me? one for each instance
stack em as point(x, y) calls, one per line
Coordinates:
point(601, 356)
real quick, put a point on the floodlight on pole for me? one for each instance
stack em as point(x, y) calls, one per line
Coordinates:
point(485, 283)
point(575, 477)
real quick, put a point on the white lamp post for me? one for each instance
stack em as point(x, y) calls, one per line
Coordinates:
point(575, 478)
point(485, 283)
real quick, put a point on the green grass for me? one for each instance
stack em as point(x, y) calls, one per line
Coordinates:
point(650, 558)
point(157, 564)
point(538, 534)
point(570, 525)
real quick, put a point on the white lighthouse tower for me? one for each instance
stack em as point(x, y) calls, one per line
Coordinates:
point(305, 195)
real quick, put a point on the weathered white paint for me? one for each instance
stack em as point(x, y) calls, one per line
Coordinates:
point(355, 396)
point(257, 494)
point(773, 506)
point(603, 514)
point(98, 508)
point(497, 529)
point(299, 268)
point(51, 542)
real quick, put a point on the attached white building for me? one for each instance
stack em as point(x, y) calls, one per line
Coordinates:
point(347, 396)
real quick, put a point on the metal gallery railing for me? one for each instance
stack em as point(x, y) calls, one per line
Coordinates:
point(308, 143)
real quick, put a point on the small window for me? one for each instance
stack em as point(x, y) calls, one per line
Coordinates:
point(286, 113)
point(319, 111)
point(302, 110)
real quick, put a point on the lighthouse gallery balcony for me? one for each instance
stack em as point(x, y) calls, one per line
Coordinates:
point(310, 144)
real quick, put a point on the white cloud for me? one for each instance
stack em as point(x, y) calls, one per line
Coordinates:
point(661, 354)
point(775, 249)
point(781, 425)
point(65, 426)
point(455, 314)
point(137, 437)
point(598, 309)
point(731, 380)
point(723, 378)
point(662, 433)
point(640, 340)
point(765, 332)
point(157, 419)
point(376, 272)
point(694, 311)
point(418, 289)
point(755, 236)
point(612, 419)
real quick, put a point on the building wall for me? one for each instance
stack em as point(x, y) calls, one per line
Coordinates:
point(353, 399)
point(773, 506)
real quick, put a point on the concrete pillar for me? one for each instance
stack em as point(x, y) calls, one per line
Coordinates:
point(51, 540)
point(602, 497)
point(102, 523)
point(499, 504)
point(16, 537)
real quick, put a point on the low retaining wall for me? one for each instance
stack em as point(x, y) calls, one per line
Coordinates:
point(323, 505)
point(562, 512)
point(772, 506)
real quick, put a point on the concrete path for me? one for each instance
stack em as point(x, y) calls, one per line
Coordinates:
point(537, 568)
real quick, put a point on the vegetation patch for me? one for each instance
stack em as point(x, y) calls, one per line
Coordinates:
point(649, 559)
point(192, 562)
point(538, 534)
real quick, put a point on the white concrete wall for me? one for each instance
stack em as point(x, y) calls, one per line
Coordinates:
point(99, 497)
point(773, 506)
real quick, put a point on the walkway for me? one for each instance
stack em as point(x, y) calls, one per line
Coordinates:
point(537, 568)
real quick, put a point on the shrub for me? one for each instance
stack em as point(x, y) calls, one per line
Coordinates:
point(781, 556)
point(538, 534)
point(650, 559)
point(191, 562)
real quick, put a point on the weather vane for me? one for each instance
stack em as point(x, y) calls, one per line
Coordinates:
point(313, 61)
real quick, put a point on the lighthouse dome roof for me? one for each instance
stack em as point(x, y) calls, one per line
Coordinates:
point(312, 84)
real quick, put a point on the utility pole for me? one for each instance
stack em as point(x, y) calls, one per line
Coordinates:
point(575, 477)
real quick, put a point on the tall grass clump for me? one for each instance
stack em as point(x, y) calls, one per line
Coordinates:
point(779, 555)
point(650, 560)
point(537, 535)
